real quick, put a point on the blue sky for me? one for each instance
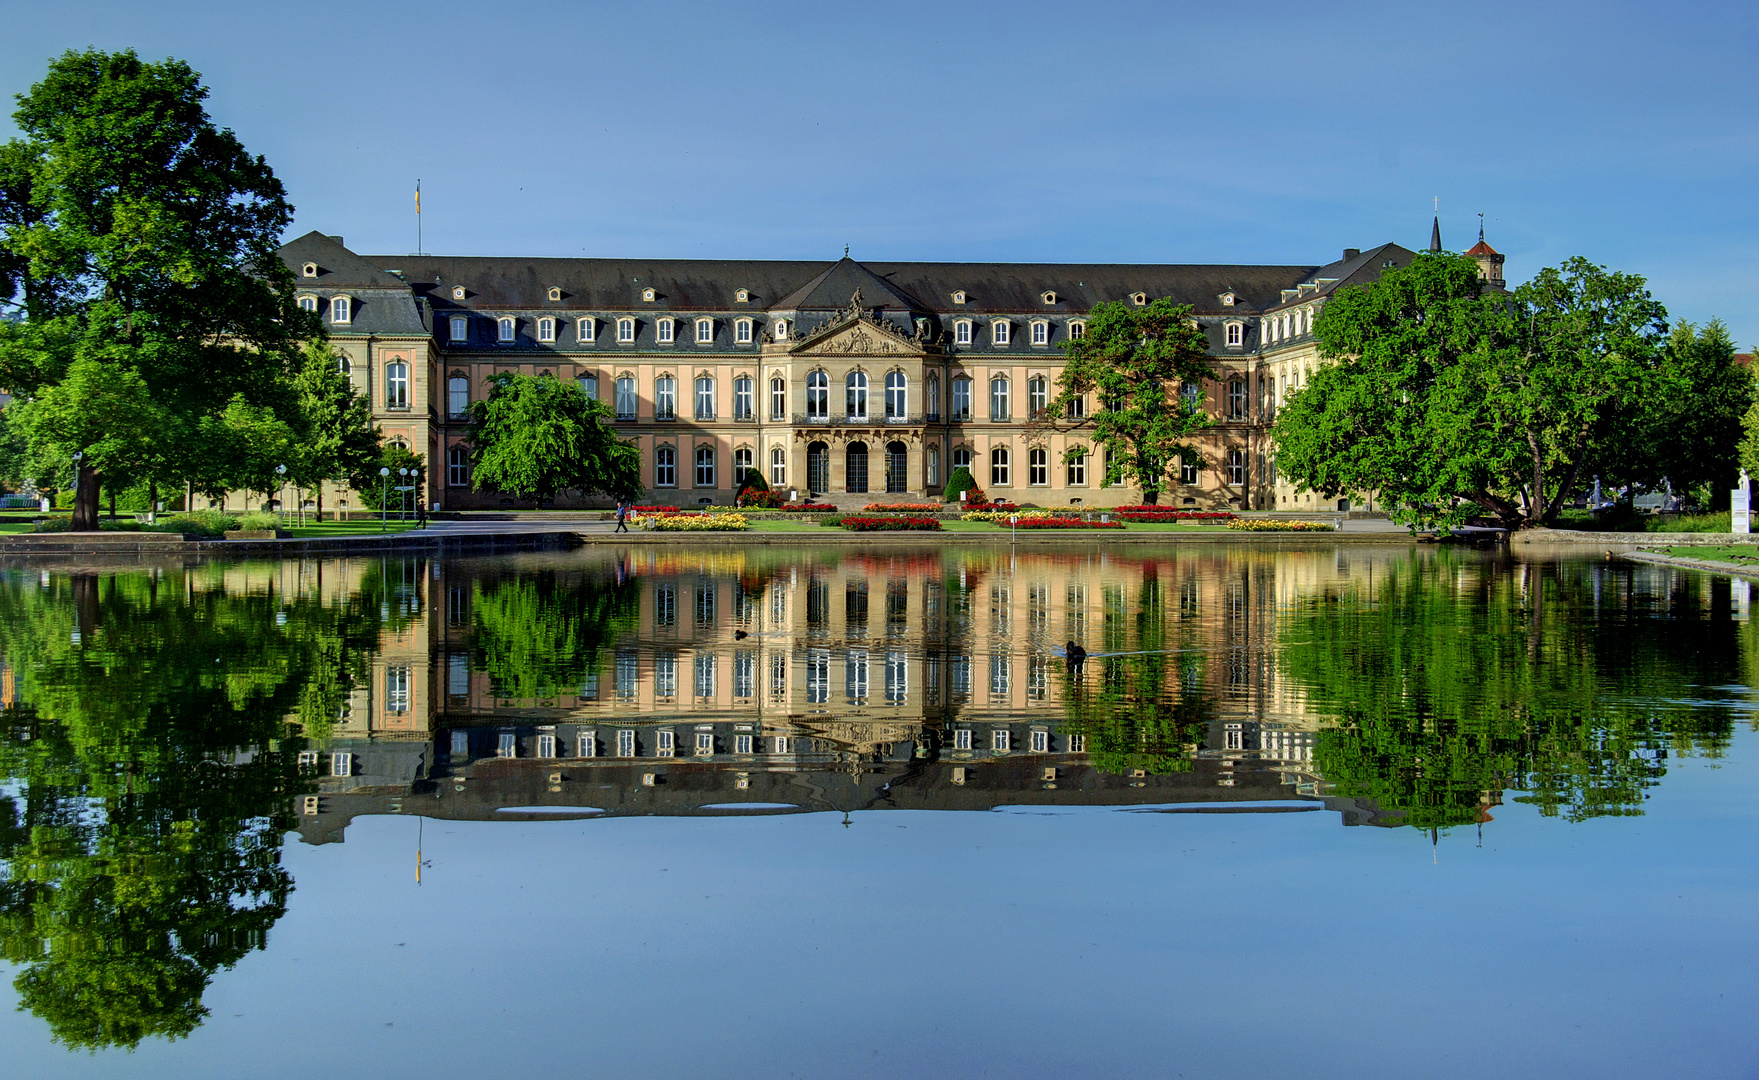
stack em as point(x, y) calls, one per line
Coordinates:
point(1626, 133)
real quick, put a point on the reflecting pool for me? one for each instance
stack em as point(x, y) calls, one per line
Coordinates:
point(1350, 811)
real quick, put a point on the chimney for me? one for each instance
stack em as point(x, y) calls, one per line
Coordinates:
point(1351, 253)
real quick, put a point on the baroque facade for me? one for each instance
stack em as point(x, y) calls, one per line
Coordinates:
point(846, 378)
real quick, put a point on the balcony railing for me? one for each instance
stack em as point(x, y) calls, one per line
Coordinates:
point(810, 420)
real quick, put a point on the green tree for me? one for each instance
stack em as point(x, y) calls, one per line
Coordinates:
point(1451, 401)
point(536, 437)
point(1693, 439)
point(138, 237)
point(1136, 361)
point(337, 438)
point(538, 633)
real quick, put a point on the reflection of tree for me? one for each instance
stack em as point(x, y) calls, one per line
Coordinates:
point(1144, 710)
point(1457, 679)
point(538, 631)
point(153, 779)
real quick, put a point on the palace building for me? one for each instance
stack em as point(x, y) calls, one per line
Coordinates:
point(844, 378)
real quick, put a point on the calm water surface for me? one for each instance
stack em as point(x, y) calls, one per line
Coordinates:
point(1340, 812)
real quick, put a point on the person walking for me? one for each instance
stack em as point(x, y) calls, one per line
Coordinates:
point(622, 516)
point(421, 514)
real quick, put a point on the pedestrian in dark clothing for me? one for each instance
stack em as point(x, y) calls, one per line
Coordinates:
point(421, 514)
point(622, 517)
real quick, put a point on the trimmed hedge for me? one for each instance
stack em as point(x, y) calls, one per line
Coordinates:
point(959, 480)
point(890, 524)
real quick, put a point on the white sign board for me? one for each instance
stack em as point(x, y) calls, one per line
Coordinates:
point(1740, 511)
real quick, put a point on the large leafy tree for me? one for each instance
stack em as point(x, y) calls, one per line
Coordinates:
point(1135, 360)
point(138, 241)
point(338, 439)
point(1451, 400)
point(534, 437)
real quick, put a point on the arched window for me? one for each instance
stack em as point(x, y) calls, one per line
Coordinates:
point(741, 464)
point(818, 467)
point(505, 330)
point(998, 466)
point(345, 366)
point(589, 385)
point(625, 330)
point(705, 331)
point(1077, 331)
point(897, 396)
point(1038, 393)
point(1038, 471)
point(856, 387)
point(308, 303)
point(341, 309)
point(897, 468)
point(705, 398)
point(778, 466)
point(856, 470)
point(998, 398)
point(663, 329)
point(778, 399)
point(460, 326)
point(546, 329)
point(742, 331)
point(998, 331)
point(665, 398)
point(705, 466)
point(457, 397)
point(1041, 332)
point(743, 406)
point(1235, 334)
point(934, 397)
point(665, 467)
point(457, 467)
point(962, 332)
point(626, 397)
point(586, 329)
point(961, 398)
point(962, 458)
point(397, 385)
point(932, 466)
point(818, 397)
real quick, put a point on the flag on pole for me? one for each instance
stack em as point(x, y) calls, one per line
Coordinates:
point(418, 196)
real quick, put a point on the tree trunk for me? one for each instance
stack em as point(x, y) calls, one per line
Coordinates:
point(1150, 497)
point(85, 501)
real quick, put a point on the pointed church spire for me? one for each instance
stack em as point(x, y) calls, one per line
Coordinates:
point(1435, 229)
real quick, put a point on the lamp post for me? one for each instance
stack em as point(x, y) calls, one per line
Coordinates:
point(281, 485)
point(384, 478)
point(78, 456)
point(403, 497)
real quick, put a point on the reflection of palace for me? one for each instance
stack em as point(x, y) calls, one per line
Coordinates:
point(899, 680)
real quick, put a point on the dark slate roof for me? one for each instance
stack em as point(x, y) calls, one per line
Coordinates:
point(382, 302)
point(839, 282)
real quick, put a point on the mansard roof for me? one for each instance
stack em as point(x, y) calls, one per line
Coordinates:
point(832, 289)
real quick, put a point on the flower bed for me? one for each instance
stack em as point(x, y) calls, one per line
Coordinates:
point(654, 509)
point(1002, 516)
point(1067, 523)
point(905, 508)
point(694, 522)
point(809, 508)
point(1273, 525)
point(891, 524)
point(1136, 514)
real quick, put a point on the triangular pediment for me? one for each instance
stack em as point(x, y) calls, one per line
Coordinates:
point(856, 332)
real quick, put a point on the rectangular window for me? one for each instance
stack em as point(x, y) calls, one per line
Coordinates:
point(342, 764)
point(628, 675)
point(781, 744)
point(665, 467)
point(1236, 467)
point(705, 468)
point(778, 399)
point(1041, 742)
point(744, 406)
point(458, 675)
point(742, 744)
point(507, 745)
point(778, 466)
point(308, 760)
point(744, 674)
point(546, 746)
point(665, 743)
point(1077, 331)
point(460, 745)
point(397, 688)
point(961, 399)
point(460, 328)
point(1038, 466)
point(1236, 399)
point(626, 398)
point(625, 330)
point(998, 399)
point(457, 397)
point(1077, 470)
point(625, 743)
point(586, 330)
point(666, 398)
point(962, 739)
point(397, 385)
point(586, 744)
point(1077, 744)
point(999, 740)
point(589, 385)
point(705, 676)
point(666, 675)
point(339, 309)
point(705, 399)
point(705, 743)
point(1190, 467)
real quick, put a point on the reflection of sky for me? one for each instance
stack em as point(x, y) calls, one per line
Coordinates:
point(962, 944)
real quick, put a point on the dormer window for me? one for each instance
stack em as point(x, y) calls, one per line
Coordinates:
point(1049, 297)
point(962, 332)
point(1077, 330)
point(505, 328)
point(705, 331)
point(1229, 299)
point(1140, 299)
point(309, 270)
point(308, 303)
point(663, 328)
point(460, 328)
point(1041, 332)
point(586, 329)
point(457, 292)
point(546, 329)
point(647, 295)
point(959, 296)
point(341, 309)
point(742, 331)
point(626, 330)
point(1236, 334)
point(999, 332)
point(781, 330)
point(555, 293)
point(742, 296)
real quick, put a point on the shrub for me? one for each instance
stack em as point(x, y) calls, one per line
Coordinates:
point(258, 520)
point(1710, 523)
point(197, 522)
point(960, 480)
point(1067, 523)
point(695, 522)
point(891, 524)
point(1274, 525)
point(760, 500)
point(906, 508)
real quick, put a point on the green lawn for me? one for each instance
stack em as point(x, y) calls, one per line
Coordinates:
point(1745, 554)
point(346, 528)
point(759, 525)
point(15, 527)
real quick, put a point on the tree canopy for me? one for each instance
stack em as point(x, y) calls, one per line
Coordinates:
point(1450, 399)
point(138, 242)
point(1136, 360)
point(537, 436)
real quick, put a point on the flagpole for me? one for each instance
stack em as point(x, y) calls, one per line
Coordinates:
point(418, 214)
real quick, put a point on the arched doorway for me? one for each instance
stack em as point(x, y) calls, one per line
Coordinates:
point(818, 468)
point(897, 461)
point(857, 470)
